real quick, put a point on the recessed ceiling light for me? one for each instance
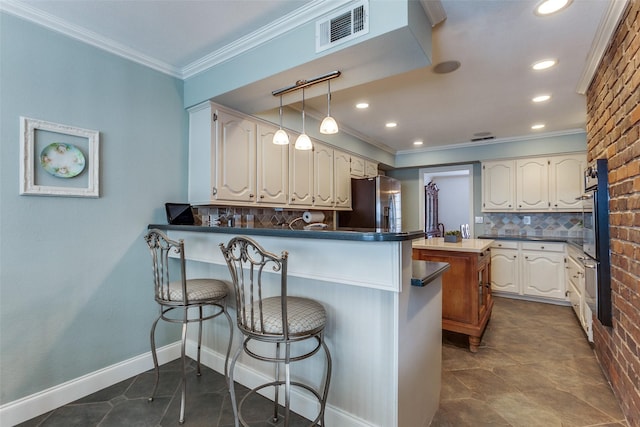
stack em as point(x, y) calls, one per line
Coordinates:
point(547, 7)
point(541, 98)
point(391, 124)
point(544, 64)
point(537, 126)
point(417, 143)
point(362, 105)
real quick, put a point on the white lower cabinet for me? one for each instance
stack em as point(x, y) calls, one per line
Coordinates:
point(576, 291)
point(505, 267)
point(528, 269)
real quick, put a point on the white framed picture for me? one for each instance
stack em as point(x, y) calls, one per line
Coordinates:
point(58, 160)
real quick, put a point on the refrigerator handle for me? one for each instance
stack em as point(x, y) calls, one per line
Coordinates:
point(392, 211)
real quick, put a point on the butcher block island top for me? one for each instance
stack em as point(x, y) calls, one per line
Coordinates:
point(466, 286)
point(466, 245)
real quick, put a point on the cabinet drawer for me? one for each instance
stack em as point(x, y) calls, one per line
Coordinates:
point(504, 244)
point(543, 246)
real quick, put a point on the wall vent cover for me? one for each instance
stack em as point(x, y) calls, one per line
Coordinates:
point(342, 26)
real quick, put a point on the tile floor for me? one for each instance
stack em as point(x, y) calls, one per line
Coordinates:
point(534, 368)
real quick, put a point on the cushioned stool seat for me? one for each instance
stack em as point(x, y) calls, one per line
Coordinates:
point(281, 320)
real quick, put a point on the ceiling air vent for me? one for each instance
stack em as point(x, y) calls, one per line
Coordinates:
point(342, 26)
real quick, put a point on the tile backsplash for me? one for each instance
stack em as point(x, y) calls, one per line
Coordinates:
point(254, 217)
point(541, 224)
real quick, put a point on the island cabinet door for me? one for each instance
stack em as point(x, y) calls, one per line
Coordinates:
point(460, 301)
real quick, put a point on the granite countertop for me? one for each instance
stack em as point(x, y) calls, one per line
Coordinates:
point(363, 235)
point(466, 245)
point(425, 272)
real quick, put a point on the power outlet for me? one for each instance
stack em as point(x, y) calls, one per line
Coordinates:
point(526, 220)
point(479, 219)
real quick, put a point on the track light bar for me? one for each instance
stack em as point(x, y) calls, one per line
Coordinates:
point(306, 83)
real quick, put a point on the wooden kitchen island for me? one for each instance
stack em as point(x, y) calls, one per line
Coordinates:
point(466, 286)
point(383, 328)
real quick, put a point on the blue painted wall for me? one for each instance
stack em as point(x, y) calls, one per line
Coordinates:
point(75, 277)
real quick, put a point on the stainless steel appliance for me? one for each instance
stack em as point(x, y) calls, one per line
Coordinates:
point(375, 204)
point(596, 241)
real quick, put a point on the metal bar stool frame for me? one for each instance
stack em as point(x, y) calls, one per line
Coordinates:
point(172, 297)
point(247, 261)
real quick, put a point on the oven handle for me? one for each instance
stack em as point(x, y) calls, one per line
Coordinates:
point(585, 197)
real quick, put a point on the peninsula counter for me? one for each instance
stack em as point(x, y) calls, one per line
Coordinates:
point(385, 335)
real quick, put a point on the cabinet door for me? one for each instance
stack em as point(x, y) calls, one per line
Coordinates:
point(566, 182)
point(370, 169)
point(201, 154)
point(341, 166)
point(532, 184)
point(323, 176)
point(504, 270)
point(498, 186)
point(235, 158)
point(543, 274)
point(484, 283)
point(357, 167)
point(272, 167)
point(300, 176)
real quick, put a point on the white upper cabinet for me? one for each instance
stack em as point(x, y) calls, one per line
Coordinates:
point(532, 184)
point(272, 167)
point(544, 184)
point(498, 186)
point(357, 166)
point(323, 179)
point(370, 169)
point(235, 157)
point(233, 161)
point(567, 183)
point(300, 175)
point(341, 170)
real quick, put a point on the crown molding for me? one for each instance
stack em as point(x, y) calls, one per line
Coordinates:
point(601, 42)
point(77, 32)
point(307, 13)
point(493, 141)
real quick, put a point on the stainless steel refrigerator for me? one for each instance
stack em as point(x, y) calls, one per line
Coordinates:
point(375, 203)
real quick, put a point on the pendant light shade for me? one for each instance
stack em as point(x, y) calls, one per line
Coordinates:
point(303, 142)
point(280, 137)
point(329, 125)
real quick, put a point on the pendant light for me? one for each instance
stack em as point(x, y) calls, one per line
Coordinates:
point(280, 137)
point(303, 142)
point(329, 125)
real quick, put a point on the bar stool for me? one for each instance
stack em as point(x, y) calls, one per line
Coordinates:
point(280, 320)
point(182, 294)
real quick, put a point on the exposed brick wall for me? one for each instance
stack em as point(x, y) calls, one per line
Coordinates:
point(613, 132)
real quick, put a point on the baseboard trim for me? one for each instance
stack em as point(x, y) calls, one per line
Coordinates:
point(47, 400)
point(301, 403)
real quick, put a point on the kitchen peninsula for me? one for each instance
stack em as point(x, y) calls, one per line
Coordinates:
point(385, 335)
point(466, 287)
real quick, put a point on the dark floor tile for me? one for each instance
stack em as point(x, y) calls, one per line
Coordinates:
point(136, 413)
point(88, 414)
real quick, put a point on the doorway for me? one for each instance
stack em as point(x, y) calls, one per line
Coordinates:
point(455, 198)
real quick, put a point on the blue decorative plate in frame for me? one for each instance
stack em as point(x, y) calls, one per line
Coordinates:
point(62, 160)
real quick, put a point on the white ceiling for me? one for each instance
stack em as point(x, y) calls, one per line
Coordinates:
point(496, 41)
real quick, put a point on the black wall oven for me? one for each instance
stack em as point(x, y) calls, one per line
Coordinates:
point(596, 241)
